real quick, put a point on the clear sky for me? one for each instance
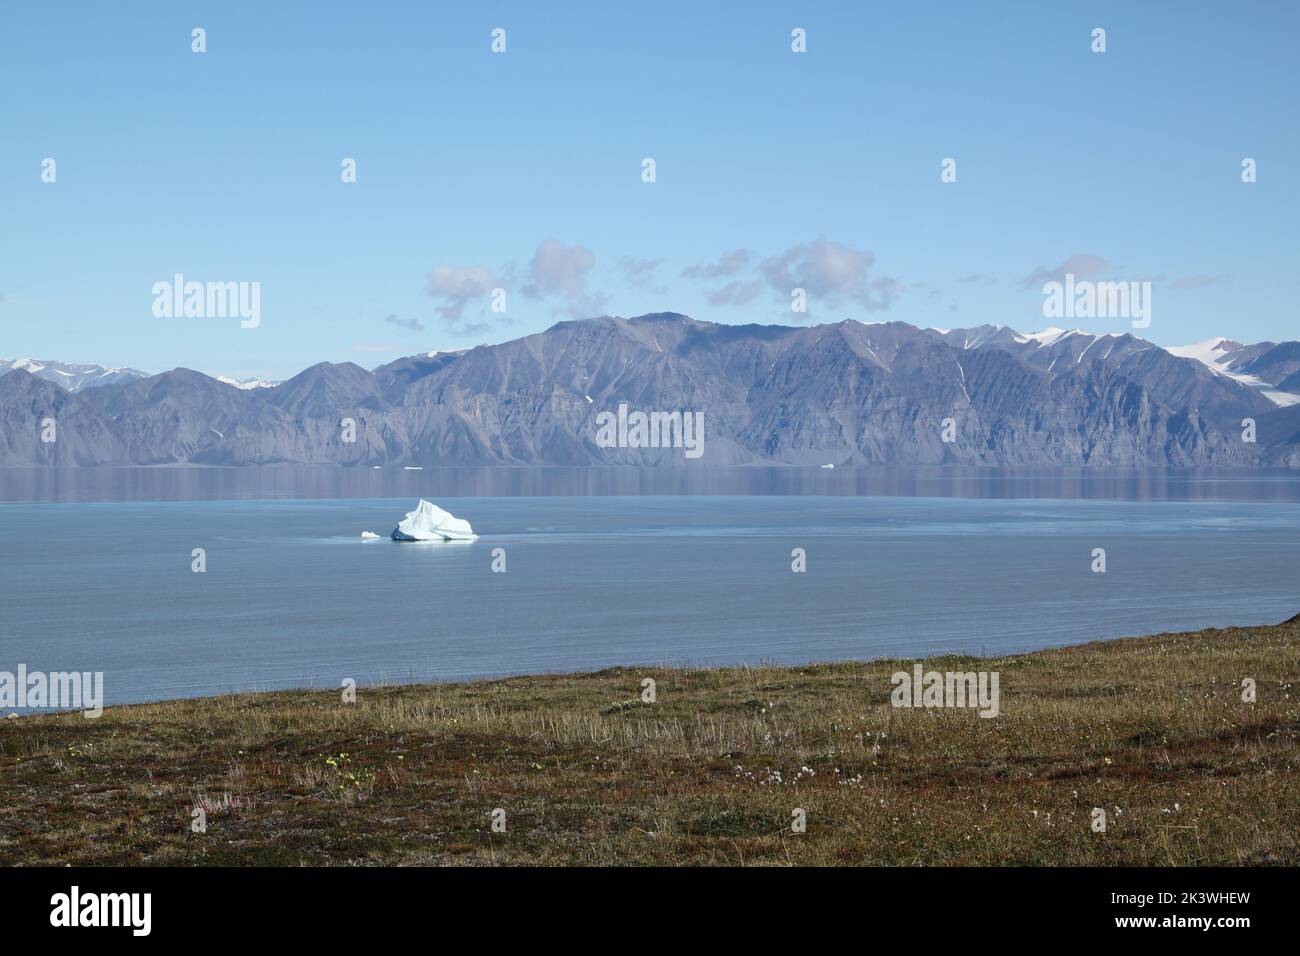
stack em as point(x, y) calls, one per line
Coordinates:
point(523, 170)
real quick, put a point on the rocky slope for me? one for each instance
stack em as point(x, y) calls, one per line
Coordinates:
point(847, 393)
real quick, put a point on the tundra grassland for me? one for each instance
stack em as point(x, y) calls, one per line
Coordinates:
point(1152, 730)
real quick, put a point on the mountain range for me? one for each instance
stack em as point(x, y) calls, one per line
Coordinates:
point(71, 376)
point(843, 393)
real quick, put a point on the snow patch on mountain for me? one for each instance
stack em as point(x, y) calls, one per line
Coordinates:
point(1282, 399)
point(1050, 336)
point(246, 383)
point(1213, 355)
point(70, 375)
point(1216, 354)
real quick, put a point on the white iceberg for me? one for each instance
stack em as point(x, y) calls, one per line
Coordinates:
point(367, 535)
point(428, 522)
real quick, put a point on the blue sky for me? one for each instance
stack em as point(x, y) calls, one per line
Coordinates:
point(523, 170)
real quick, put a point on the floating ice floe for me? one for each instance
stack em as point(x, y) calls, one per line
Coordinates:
point(367, 535)
point(428, 522)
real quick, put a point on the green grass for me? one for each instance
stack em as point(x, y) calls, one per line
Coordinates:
point(1152, 729)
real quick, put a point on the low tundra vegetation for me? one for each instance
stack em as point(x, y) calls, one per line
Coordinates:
point(1152, 731)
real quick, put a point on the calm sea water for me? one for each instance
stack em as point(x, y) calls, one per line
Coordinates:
point(293, 597)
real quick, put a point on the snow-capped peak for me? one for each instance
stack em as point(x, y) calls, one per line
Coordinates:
point(1216, 355)
point(71, 375)
point(1207, 352)
point(246, 383)
point(1051, 336)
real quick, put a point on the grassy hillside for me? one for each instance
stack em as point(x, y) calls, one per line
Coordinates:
point(1152, 729)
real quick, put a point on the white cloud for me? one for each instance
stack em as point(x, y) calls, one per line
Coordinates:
point(557, 270)
point(457, 286)
point(737, 292)
point(1081, 265)
point(411, 325)
point(727, 264)
point(831, 272)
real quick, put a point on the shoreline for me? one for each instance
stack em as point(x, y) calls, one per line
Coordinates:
point(487, 679)
point(1153, 730)
point(29, 485)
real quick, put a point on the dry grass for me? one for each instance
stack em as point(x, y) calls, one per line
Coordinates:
point(1152, 729)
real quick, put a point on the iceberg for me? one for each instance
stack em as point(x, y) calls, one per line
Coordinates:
point(428, 522)
point(367, 535)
